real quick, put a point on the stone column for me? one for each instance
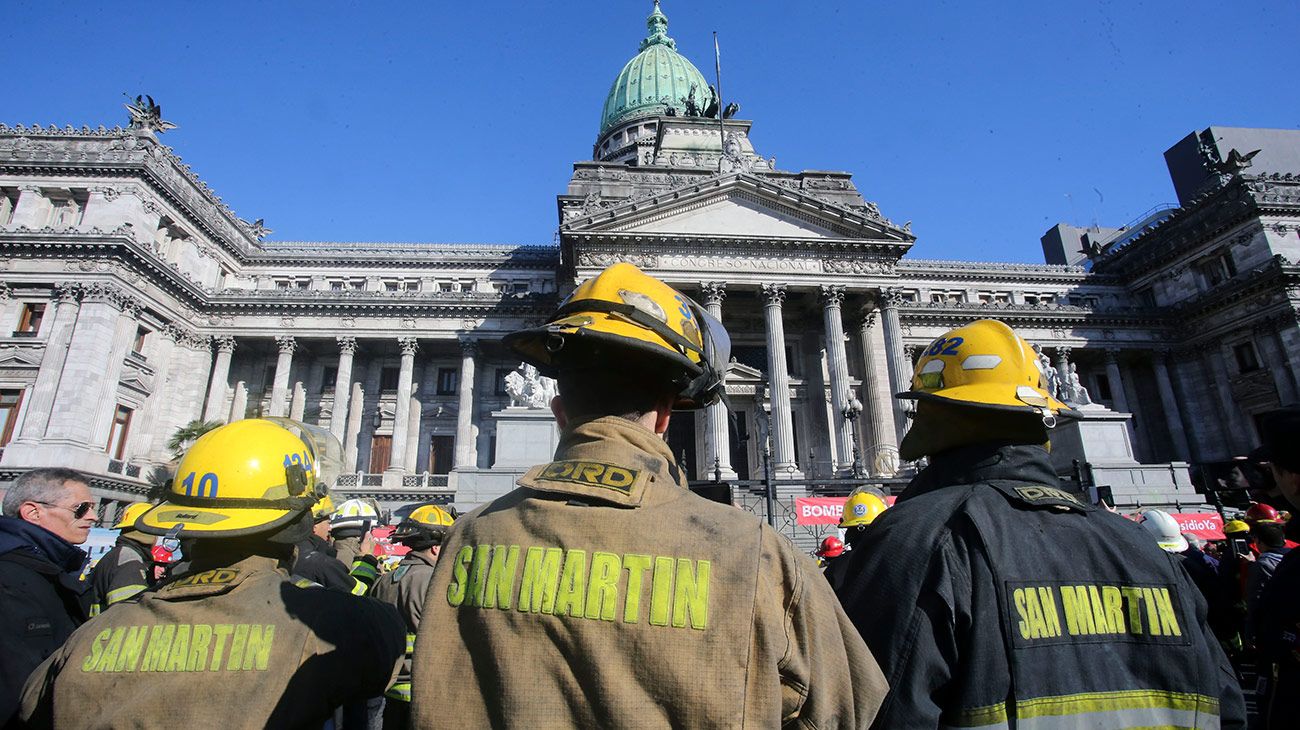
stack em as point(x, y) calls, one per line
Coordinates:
point(900, 366)
point(148, 423)
point(717, 436)
point(280, 386)
point(1116, 382)
point(1240, 437)
point(342, 387)
point(356, 405)
point(878, 437)
point(87, 394)
point(1169, 404)
point(297, 401)
point(832, 297)
point(40, 400)
point(466, 456)
point(225, 346)
point(783, 456)
point(410, 457)
point(1063, 369)
point(1270, 354)
point(239, 403)
point(402, 412)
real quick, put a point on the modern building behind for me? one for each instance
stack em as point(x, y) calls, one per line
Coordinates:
point(134, 301)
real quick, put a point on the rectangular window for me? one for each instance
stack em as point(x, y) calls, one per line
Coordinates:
point(381, 450)
point(1146, 297)
point(1247, 359)
point(448, 378)
point(328, 376)
point(388, 378)
point(10, 401)
point(30, 321)
point(444, 286)
point(138, 345)
point(466, 287)
point(441, 449)
point(1103, 387)
point(390, 286)
point(117, 435)
point(302, 284)
point(281, 283)
point(413, 286)
point(336, 285)
point(8, 201)
point(499, 386)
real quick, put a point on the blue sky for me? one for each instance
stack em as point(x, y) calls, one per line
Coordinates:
point(431, 121)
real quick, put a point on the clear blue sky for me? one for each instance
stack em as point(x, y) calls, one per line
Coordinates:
point(433, 121)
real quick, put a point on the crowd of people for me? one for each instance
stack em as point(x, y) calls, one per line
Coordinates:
point(603, 593)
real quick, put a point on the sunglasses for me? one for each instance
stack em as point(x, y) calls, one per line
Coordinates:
point(78, 510)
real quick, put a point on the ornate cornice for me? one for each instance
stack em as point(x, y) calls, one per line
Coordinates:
point(994, 271)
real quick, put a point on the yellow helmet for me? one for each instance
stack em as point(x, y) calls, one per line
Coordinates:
point(355, 514)
point(861, 509)
point(247, 477)
point(323, 508)
point(429, 523)
point(636, 315)
point(984, 364)
point(131, 514)
point(1232, 527)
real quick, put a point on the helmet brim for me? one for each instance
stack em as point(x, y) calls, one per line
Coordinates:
point(987, 396)
point(201, 522)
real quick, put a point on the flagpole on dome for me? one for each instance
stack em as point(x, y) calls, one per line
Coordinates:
point(722, 127)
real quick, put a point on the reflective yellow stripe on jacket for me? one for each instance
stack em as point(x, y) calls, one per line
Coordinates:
point(1128, 708)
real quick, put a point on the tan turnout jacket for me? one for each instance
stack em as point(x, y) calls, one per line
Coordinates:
point(238, 646)
point(602, 593)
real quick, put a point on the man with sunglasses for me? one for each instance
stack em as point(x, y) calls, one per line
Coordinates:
point(47, 514)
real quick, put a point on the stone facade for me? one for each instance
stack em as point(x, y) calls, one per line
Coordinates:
point(134, 302)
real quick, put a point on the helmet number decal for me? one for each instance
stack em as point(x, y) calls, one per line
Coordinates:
point(207, 486)
point(302, 460)
point(944, 346)
point(683, 307)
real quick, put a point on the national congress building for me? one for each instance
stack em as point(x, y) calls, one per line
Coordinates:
point(133, 302)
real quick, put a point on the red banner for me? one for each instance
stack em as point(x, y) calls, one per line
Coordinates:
point(384, 544)
point(818, 510)
point(1205, 525)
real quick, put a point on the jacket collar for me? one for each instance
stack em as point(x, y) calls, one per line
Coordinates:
point(21, 536)
point(206, 579)
point(414, 558)
point(609, 459)
point(1022, 472)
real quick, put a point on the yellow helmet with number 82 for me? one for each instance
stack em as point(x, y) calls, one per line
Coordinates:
point(248, 477)
point(983, 364)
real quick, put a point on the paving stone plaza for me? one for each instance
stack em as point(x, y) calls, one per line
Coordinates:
point(134, 301)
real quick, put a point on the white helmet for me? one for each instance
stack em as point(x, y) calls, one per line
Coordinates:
point(361, 514)
point(1165, 529)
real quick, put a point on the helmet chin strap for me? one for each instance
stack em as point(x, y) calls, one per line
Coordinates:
point(1049, 418)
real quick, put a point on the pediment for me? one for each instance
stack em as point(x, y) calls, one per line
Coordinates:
point(19, 357)
point(739, 372)
point(737, 205)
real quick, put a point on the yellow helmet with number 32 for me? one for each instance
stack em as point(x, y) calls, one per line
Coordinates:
point(244, 478)
point(984, 364)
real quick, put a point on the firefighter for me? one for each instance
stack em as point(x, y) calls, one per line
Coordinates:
point(993, 596)
point(350, 527)
point(860, 510)
point(405, 587)
point(317, 559)
point(234, 641)
point(597, 593)
point(831, 547)
point(128, 569)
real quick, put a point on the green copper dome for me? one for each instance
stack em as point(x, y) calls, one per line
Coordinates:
point(655, 78)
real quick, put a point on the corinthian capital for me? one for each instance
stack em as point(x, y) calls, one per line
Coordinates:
point(713, 292)
point(469, 346)
point(773, 294)
point(832, 295)
point(223, 343)
point(891, 297)
point(347, 345)
point(287, 344)
point(409, 345)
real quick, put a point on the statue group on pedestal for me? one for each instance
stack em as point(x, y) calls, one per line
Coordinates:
point(528, 388)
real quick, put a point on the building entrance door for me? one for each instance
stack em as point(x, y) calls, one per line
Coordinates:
point(681, 440)
point(381, 449)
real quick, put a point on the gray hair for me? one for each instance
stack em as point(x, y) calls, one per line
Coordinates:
point(40, 485)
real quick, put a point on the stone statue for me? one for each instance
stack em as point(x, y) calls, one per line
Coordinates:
point(711, 109)
point(146, 116)
point(1049, 373)
point(1076, 394)
point(692, 109)
point(528, 388)
point(257, 229)
point(731, 110)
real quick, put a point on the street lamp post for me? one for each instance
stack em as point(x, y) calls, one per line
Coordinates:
point(852, 410)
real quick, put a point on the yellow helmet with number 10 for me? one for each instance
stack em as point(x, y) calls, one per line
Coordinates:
point(983, 364)
point(248, 477)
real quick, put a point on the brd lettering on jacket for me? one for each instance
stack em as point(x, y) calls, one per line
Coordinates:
point(561, 582)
